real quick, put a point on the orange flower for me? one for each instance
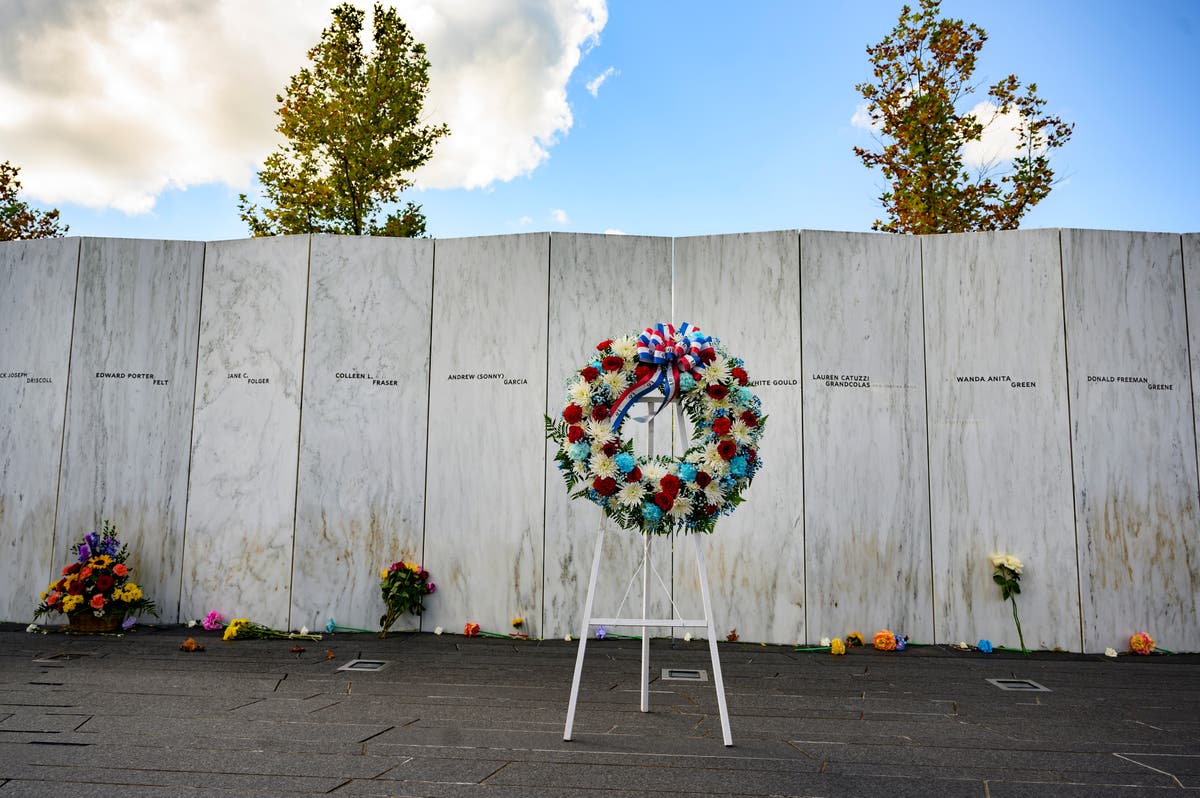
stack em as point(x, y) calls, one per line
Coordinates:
point(86, 572)
point(52, 599)
point(471, 629)
point(885, 640)
point(97, 602)
point(119, 569)
point(1141, 643)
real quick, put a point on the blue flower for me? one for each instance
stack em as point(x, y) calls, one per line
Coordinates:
point(737, 466)
point(330, 626)
point(579, 451)
point(727, 482)
point(651, 513)
point(687, 472)
point(686, 383)
point(901, 642)
point(128, 623)
point(985, 646)
point(601, 632)
point(625, 462)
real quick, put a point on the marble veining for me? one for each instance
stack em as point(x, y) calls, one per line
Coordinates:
point(129, 404)
point(37, 303)
point(1134, 438)
point(633, 275)
point(999, 448)
point(745, 289)
point(486, 472)
point(242, 495)
point(866, 488)
point(361, 489)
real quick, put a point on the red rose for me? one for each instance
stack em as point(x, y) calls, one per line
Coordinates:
point(722, 425)
point(664, 501)
point(717, 391)
point(708, 355)
point(711, 509)
point(605, 344)
point(634, 476)
point(573, 414)
point(702, 479)
point(642, 369)
point(103, 582)
point(574, 434)
point(611, 448)
point(727, 449)
point(75, 588)
point(599, 412)
point(613, 363)
point(741, 376)
point(670, 485)
point(605, 486)
point(73, 568)
point(590, 373)
point(750, 419)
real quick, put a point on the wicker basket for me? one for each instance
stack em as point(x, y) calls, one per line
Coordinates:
point(85, 622)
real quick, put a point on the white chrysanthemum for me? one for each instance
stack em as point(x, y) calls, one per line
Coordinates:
point(740, 432)
point(599, 430)
point(566, 444)
point(716, 371)
point(695, 456)
point(653, 472)
point(580, 470)
point(580, 393)
point(626, 347)
point(711, 406)
point(615, 380)
point(604, 466)
point(713, 493)
point(713, 462)
point(631, 495)
point(682, 507)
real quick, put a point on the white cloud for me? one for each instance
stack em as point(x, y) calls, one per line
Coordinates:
point(1000, 137)
point(612, 231)
point(524, 220)
point(108, 104)
point(593, 85)
point(862, 118)
point(560, 216)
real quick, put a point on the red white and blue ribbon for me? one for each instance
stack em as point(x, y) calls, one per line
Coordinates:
point(672, 352)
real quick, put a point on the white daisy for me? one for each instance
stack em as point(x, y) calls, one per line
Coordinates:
point(599, 430)
point(626, 347)
point(653, 472)
point(615, 380)
point(681, 508)
point(604, 466)
point(580, 393)
point(631, 495)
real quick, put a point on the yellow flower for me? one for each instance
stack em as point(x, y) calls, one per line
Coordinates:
point(518, 622)
point(71, 602)
point(383, 574)
point(885, 640)
point(416, 569)
point(100, 561)
point(1141, 643)
point(132, 592)
point(836, 646)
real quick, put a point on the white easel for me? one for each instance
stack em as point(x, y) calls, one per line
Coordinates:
point(647, 623)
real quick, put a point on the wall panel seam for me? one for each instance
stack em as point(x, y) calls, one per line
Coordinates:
point(187, 495)
point(62, 440)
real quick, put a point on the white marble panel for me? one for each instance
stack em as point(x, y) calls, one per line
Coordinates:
point(361, 489)
point(129, 404)
point(37, 303)
point(1191, 274)
point(866, 472)
point(745, 289)
point(999, 444)
point(485, 489)
point(1134, 438)
point(633, 275)
point(245, 439)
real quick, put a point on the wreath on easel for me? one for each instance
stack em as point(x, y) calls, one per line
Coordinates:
point(661, 494)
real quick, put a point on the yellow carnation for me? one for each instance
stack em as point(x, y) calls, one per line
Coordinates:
point(837, 646)
point(71, 602)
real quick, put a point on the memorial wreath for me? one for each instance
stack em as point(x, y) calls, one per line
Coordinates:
point(660, 494)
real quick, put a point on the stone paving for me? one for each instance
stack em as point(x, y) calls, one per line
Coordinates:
point(135, 716)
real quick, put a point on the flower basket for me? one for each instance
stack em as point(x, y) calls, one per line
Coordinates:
point(88, 623)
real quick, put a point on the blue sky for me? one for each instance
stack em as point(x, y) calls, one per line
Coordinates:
point(718, 120)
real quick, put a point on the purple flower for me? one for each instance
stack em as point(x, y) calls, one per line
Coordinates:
point(85, 552)
point(429, 588)
point(128, 623)
point(601, 633)
point(212, 621)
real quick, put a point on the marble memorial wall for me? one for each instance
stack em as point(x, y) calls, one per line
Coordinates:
point(37, 304)
point(1134, 439)
point(270, 422)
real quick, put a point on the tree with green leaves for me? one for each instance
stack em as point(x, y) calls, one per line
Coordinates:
point(923, 78)
point(18, 220)
point(352, 120)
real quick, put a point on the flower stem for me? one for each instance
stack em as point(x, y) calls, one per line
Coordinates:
point(1016, 618)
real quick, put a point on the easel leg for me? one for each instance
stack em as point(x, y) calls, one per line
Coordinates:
point(645, 631)
point(712, 643)
point(583, 634)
